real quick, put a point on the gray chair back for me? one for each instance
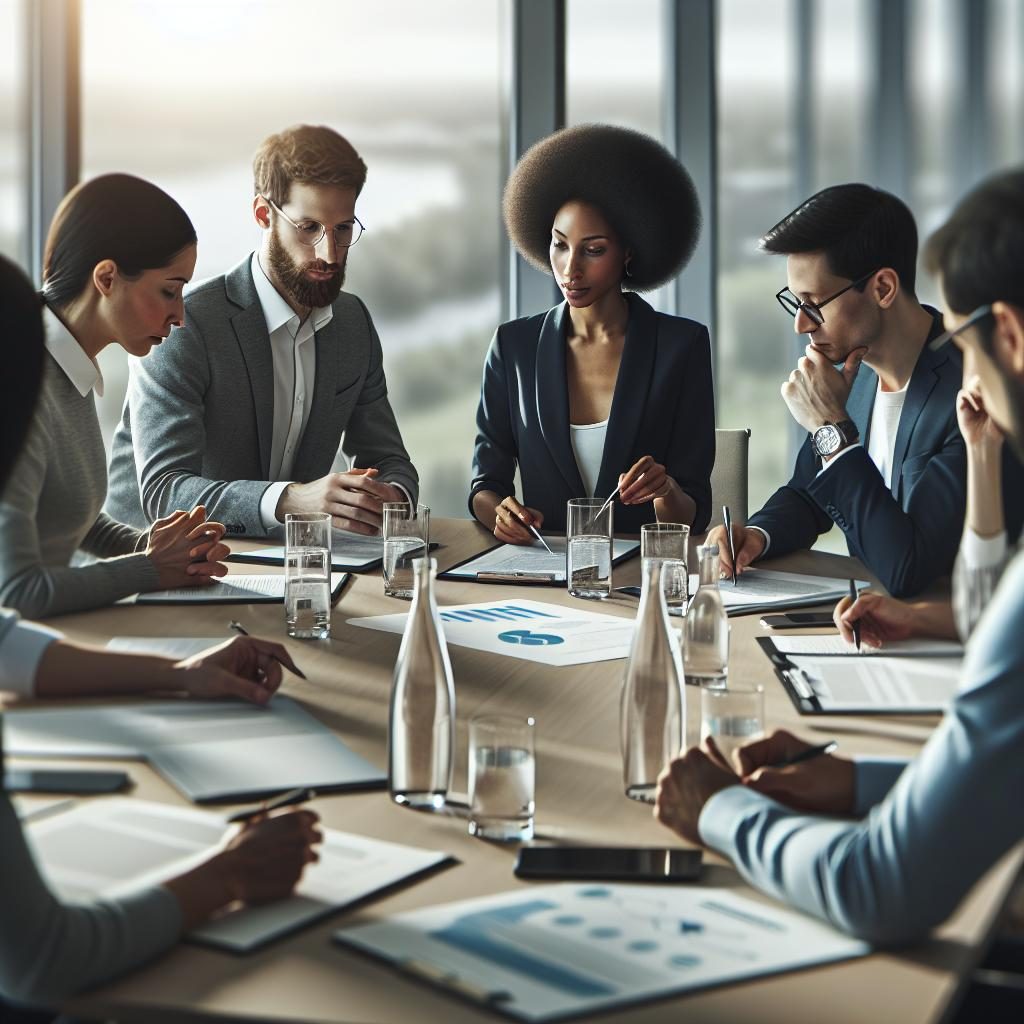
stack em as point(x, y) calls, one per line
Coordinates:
point(729, 476)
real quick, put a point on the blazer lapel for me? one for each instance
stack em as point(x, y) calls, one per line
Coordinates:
point(553, 397)
point(250, 327)
point(919, 390)
point(632, 386)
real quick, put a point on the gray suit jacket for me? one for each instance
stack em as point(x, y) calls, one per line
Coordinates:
point(199, 419)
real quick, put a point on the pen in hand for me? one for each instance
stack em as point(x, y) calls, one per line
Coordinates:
point(856, 625)
point(727, 519)
point(242, 631)
point(288, 799)
point(533, 529)
point(806, 755)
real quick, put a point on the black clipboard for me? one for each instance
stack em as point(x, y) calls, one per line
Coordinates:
point(539, 579)
point(804, 699)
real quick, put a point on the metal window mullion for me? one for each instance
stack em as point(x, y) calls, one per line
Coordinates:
point(691, 132)
point(890, 131)
point(972, 153)
point(54, 97)
point(536, 109)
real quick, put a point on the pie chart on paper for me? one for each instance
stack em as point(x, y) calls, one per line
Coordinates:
point(530, 639)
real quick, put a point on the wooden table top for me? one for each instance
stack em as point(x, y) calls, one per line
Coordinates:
point(579, 798)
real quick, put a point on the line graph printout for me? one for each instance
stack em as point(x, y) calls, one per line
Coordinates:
point(532, 630)
point(557, 950)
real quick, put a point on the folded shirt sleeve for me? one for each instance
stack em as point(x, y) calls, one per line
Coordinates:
point(22, 645)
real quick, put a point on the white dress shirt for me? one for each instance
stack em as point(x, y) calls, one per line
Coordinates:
point(82, 371)
point(293, 348)
point(22, 645)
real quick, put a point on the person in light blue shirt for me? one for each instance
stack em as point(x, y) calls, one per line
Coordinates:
point(887, 849)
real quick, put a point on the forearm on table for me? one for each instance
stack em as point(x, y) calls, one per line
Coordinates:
point(485, 504)
point(69, 670)
point(934, 619)
point(202, 891)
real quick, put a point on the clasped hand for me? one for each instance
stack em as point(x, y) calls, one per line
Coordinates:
point(823, 785)
point(816, 392)
point(186, 549)
point(354, 500)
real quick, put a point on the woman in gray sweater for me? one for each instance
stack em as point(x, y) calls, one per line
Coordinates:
point(119, 253)
point(48, 949)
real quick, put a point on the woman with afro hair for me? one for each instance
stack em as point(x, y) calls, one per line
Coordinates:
point(601, 392)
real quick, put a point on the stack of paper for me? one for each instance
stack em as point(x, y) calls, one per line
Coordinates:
point(209, 750)
point(759, 590)
point(264, 588)
point(101, 847)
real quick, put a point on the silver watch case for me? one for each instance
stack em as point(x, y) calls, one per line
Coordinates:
point(828, 440)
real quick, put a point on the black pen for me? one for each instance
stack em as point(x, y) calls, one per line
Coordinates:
point(856, 625)
point(727, 517)
point(293, 796)
point(806, 755)
point(242, 631)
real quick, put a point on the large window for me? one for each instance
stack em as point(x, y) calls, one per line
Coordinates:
point(1006, 81)
point(415, 87)
point(756, 187)
point(13, 131)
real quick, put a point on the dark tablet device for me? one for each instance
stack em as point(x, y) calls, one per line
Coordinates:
point(25, 780)
point(619, 864)
point(797, 620)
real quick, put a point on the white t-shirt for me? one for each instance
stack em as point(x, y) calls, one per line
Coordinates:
point(885, 422)
point(588, 447)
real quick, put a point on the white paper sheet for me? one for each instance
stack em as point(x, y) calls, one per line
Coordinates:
point(531, 560)
point(234, 588)
point(210, 750)
point(764, 589)
point(352, 551)
point(548, 634)
point(177, 647)
point(101, 847)
point(835, 645)
point(552, 950)
point(37, 808)
point(879, 683)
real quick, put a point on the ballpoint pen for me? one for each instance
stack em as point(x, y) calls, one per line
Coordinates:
point(856, 625)
point(533, 529)
point(806, 755)
point(242, 631)
point(615, 494)
point(727, 518)
point(293, 796)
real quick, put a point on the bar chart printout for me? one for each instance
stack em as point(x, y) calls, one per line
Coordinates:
point(561, 950)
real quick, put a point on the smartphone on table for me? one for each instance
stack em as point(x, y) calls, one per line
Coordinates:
point(797, 620)
point(609, 863)
point(79, 783)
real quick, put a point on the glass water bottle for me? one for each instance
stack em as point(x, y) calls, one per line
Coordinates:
point(706, 627)
point(652, 709)
point(421, 728)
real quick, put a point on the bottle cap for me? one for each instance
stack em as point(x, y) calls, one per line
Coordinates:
point(707, 549)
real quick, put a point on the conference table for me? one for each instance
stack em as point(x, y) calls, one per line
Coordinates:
point(307, 977)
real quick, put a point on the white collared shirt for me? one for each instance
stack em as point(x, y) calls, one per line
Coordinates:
point(82, 371)
point(293, 348)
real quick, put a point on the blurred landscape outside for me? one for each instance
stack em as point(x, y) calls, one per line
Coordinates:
point(183, 96)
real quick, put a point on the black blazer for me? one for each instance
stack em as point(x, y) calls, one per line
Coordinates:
point(663, 406)
point(907, 536)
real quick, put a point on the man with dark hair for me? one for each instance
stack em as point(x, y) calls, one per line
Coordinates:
point(936, 824)
point(243, 408)
point(884, 458)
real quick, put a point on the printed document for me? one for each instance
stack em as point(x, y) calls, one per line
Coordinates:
point(759, 590)
point(235, 588)
point(354, 552)
point(835, 645)
point(548, 634)
point(530, 560)
point(104, 846)
point(549, 951)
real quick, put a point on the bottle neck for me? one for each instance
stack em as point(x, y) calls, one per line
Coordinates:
point(709, 569)
point(423, 581)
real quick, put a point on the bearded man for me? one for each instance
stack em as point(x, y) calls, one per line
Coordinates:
point(244, 407)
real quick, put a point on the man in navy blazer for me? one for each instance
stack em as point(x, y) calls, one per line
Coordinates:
point(884, 458)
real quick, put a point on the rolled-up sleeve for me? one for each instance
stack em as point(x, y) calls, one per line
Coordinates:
point(22, 645)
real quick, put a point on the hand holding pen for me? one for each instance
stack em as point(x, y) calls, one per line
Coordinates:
point(278, 653)
point(516, 524)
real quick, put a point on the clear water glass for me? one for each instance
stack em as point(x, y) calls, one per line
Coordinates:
point(406, 532)
point(502, 776)
point(669, 544)
point(734, 716)
point(588, 557)
point(307, 575)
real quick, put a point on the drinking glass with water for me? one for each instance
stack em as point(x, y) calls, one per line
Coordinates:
point(307, 575)
point(502, 774)
point(588, 557)
point(733, 716)
point(406, 532)
point(669, 543)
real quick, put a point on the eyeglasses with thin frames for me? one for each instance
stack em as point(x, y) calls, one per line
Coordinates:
point(979, 314)
point(792, 304)
point(312, 232)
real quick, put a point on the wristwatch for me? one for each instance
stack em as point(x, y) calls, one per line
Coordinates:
point(834, 437)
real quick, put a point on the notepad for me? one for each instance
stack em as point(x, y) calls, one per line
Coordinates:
point(832, 645)
point(759, 590)
point(551, 951)
point(236, 588)
point(102, 847)
point(527, 563)
point(866, 684)
point(211, 751)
